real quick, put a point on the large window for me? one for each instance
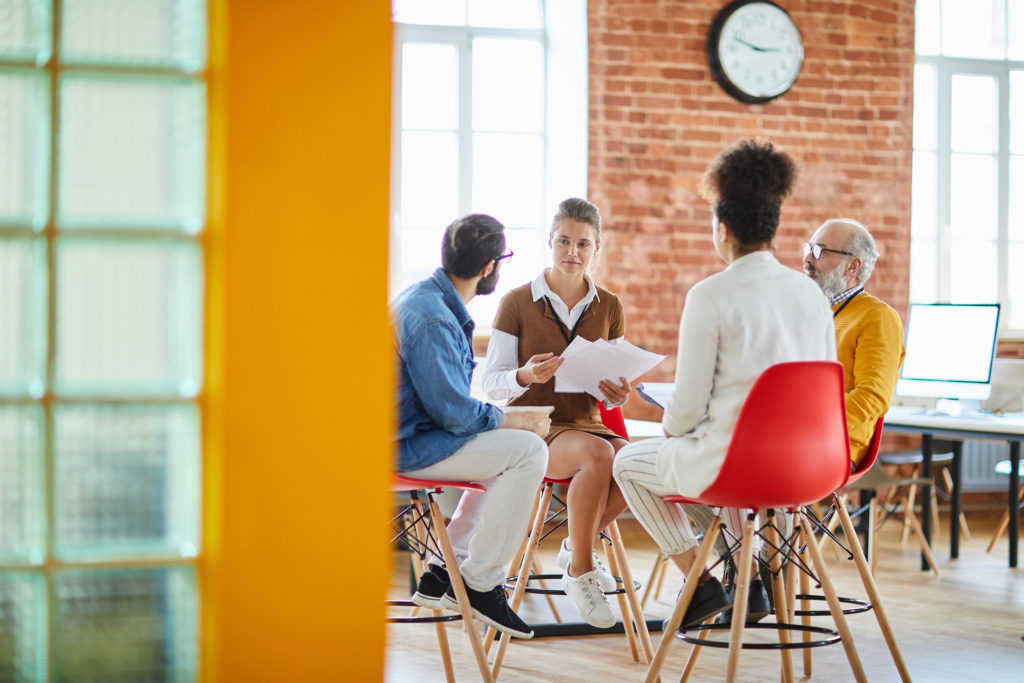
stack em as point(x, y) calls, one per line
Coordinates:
point(102, 209)
point(967, 226)
point(491, 117)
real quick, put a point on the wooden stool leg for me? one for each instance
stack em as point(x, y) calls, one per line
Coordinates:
point(925, 546)
point(1003, 522)
point(872, 589)
point(658, 562)
point(523, 575)
point(739, 621)
point(964, 529)
point(635, 609)
point(627, 626)
point(668, 635)
point(782, 606)
point(909, 500)
point(832, 599)
point(460, 591)
point(805, 606)
point(872, 528)
point(419, 567)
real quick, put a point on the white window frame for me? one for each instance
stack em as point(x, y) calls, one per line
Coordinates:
point(565, 135)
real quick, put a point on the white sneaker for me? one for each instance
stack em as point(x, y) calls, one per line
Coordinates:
point(604, 577)
point(586, 594)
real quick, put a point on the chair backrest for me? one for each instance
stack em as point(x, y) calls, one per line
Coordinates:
point(613, 420)
point(870, 455)
point(790, 445)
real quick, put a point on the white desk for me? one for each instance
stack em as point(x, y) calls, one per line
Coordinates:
point(1008, 428)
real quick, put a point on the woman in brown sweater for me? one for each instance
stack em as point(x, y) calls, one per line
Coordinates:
point(534, 325)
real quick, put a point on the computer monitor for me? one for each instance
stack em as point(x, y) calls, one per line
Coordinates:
point(950, 348)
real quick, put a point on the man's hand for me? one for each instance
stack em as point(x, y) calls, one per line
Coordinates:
point(538, 422)
point(615, 393)
point(539, 369)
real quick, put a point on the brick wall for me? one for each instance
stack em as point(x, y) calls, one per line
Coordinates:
point(657, 118)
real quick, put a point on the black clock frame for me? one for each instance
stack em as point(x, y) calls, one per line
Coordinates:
point(715, 63)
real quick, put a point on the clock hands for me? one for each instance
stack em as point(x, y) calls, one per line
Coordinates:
point(757, 48)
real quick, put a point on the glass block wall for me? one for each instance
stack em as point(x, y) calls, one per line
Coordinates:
point(102, 211)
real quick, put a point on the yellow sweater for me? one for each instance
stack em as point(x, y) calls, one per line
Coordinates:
point(869, 344)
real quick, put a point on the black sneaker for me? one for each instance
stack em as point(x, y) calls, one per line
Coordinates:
point(758, 606)
point(708, 600)
point(492, 608)
point(433, 583)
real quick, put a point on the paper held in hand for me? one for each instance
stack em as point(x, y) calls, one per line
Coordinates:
point(587, 363)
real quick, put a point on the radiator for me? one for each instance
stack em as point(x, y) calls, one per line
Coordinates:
point(978, 463)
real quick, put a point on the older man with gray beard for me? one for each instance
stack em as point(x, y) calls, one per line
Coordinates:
point(869, 333)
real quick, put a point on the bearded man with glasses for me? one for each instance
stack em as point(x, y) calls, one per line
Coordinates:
point(869, 333)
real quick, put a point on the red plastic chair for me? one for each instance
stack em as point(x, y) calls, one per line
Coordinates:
point(789, 448)
point(426, 533)
point(635, 626)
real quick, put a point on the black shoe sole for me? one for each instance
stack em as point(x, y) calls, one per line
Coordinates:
point(448, 603)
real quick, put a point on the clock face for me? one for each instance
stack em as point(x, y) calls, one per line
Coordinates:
point(754, 50)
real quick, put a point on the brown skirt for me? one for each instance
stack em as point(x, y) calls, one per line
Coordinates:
point(596, 429)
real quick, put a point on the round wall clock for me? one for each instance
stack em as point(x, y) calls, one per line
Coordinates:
point(754, 50)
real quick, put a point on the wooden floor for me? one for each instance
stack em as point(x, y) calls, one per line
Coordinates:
point(965, 625)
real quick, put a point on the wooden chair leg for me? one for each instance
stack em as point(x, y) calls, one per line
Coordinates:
point(908, 511)
point(965, 531)
point(805, 620)
point(635, 609)
point(460, 591)
point(1003, 522)
point(627, 627)
point(659, 563)
point(522, 577)
point(668, 635)
point(872, 590)
point(871, 535)
point(925, 546)
point(782, 604)
point(740, 601)
point(834, 606)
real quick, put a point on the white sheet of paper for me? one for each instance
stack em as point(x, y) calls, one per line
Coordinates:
point(587, 363)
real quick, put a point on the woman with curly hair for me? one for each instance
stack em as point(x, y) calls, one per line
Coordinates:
point(735, 324)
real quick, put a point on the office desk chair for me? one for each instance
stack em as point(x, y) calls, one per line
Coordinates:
point(789, 448)
point(424, 533)
point(1003, 467)
point(543, 523)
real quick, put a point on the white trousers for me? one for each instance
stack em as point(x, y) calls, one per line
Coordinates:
point(487, 528)
point(635, 470)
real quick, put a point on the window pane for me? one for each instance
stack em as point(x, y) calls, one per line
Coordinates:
point(505, 14)
point(125, 625)
point(421, 252)
point(1015, 280)
point(22, 316)
point(925, 111)
point(128, 317)
point(430, 179)
point(133, 153)
point(973, 114)
point(508, 85)
point(1017, 112)
point(1016, 216)
point(434, 12)
point(1015, 39)
point(923, 283)
point(24, 147)
point(126, 480)
point(923, 196)
point(508, 178)
point(144, 32)
point(22, 504)
point(926, 27)
point(973, 28)
point(22, 626)
point(25, 31)
point(972, 196)
point(972, 272)
point(430, 86)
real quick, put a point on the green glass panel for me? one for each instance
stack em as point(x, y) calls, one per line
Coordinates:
point(125, 625)
point(22, 627)
point(24, 147)
point(133, 153)
point(25, 30)
point(126, 481)
point(129, 317)
point(22, 486)
point(169, 33)
point(22, 316)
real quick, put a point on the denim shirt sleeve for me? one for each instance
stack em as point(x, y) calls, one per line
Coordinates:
point(440, 366)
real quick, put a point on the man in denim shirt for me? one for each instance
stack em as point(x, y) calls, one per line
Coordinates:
point(444, 433)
